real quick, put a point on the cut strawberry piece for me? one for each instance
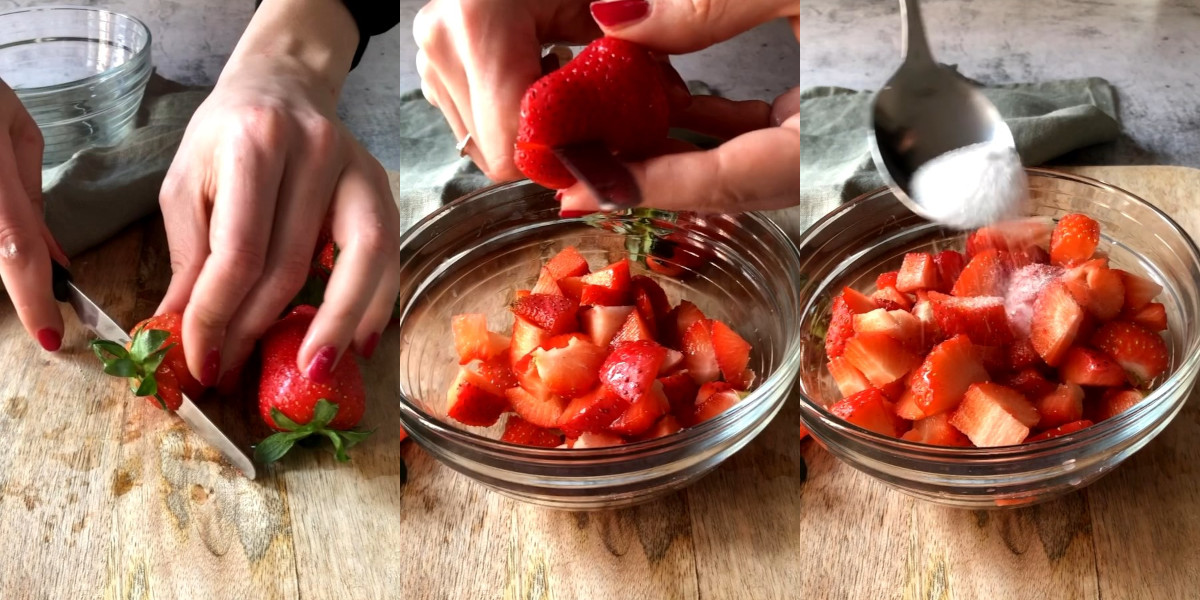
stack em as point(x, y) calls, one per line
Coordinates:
point(631, 368)
point(598, 295)
point(643, 413)
point(951, 367)
point(909, 329)
point(470, 404)
point(664, 427)
point(992, 415)
point(1152, 316)
point(473, 341)
point(886, 279)
point(1062, 406)
point(1030, 382)
point(896, 389)
point(564, 340)
point(891, 299)
point(880, 358)
point(841, 327)
point(1009, 235)
point(521, 294)
point(907, 408)
point(635, 328)
point(1061, 430)
point(1097, 288)
point(733, 354)
point(1017, 258)
point(857, 301)
point(936, 431)
point(572, 287)
point(849, 380)
point(569, 371)
point(522, 432)
point(930, 332)
point(1022, 355)
point(982, 319)
point(673, 362)
point(494, 375)
point(713, 399)
point(546, 284)
point(1056, 320)
point(567, 263)
point(867, 409)
point(984, 275)
point(1139, 291)
point(680, 390)
point(683, 316)
point(1084, 366)
point(616, 283)
point(949, 265)
point(591, 439)
point(528, 378)
point(1117, 401)
point(651, 301)
point(592, 412)
point(1024, 287)
point(993, 358)
point(526, 338)
point(555, 314)
point(1141, 352)
point(917, 273)
point(699, 354)
point(601, 323)
point(1074, 240)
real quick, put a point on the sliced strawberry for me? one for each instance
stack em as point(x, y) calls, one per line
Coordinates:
point(841, 327)
point(522, 432)
point(473, 341)
point(1024, 287)
point(664, 427)
point(569, 371)
point(1061, 430)
point(896, 389)
point(680, 390)
point(1074, 240)
point(1055, 323)
point(572, 287)
point(1117, 401)
point(1062, 406)
point(589, 439)
point(1084, 366)
point(930, 332)
point(470, 404)
point(1030, 382)
point(526, 338)
point(949, 265)
point(713, 399)
point(673, 362)
point(1139, 291)
point(886, 279)
point(857, 301)
point(642, 413)
point(1152, 316)
point(883, 321)
point(733, 354)
point(1096, 287)
point(567, 263)
point(910, 330)
point(555, 314)
point(635, 328)
point(616, 283)
point(936, 431)
point(521, 294)
point(546, 284)
point(992, 415)
point(1141, 352)
point(682, 316)
point(1009, 236)
point(942, 379)
point(631, 368)
point(993, 358)
point(592, 412)
point(651, 301)
point(891, 299)
point(529, 379)
point(494, 375)
point(699, 354)
point(984, 275)
point(563, 340)
point(849, 380)
point(601, 323)
point(907, 407)
point(598, 295)
point(867, 409)
point(917, 273)
point(983, 319)
point(1022, 355)
point(880, 358)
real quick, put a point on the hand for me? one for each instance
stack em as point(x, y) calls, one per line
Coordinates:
point(263, 164)
point(26, 245)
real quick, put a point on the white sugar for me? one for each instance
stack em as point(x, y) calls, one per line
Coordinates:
point(972, 186)
point(1023, 288)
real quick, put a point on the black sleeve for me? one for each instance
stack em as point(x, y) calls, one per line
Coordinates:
point(373, 17)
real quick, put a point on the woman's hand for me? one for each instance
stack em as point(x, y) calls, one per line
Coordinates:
point(264, 164)
point(26, 246)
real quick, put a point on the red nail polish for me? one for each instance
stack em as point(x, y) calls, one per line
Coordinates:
point(575, 214)
point(321, 367)
point(615, 13)
point(368, 347)
point(50, 339)
point(211, 371)
point(558, 195)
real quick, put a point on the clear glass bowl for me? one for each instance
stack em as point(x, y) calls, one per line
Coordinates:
point(473, 254)
point(79, 71)
point(871, 234)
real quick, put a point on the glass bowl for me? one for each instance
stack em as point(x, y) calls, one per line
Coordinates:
point(79, 71)
point(871, 234)
point(470, 256)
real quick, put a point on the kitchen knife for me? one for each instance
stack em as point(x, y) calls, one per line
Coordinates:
point(607, 178)
point(99, 323)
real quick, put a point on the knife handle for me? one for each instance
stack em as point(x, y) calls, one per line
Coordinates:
point(60, 277)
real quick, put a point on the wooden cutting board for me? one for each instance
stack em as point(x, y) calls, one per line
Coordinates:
point(102, 496)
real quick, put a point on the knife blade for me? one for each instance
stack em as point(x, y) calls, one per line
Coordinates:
point(607, 178)
point(98, 322)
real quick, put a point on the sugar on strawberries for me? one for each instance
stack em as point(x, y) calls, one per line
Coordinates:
point(1026, 335)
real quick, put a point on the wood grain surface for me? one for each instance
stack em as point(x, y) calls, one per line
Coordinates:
point(103, 496)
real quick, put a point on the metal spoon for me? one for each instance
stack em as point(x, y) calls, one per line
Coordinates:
point(926, 110)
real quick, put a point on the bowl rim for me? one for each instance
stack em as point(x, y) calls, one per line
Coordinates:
point(1001, 454)
point(139, 57)
point(786, 374)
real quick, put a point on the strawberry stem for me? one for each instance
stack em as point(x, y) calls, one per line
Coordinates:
point(138, 363)
point(275, 446)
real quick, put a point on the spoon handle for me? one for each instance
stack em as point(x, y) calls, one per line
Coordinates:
point(916, 47)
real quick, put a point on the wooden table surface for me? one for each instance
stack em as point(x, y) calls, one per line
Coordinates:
point(102, 496)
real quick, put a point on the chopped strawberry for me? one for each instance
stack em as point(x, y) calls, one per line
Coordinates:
point(1152, 316)
point(907, 408)
point(471, 404)
point(615, 282)
point(592, 412)
point(567, 263)
point(473, 341)
point(526, 338)
point(867, 409)
point(591, 439)
point(651, 301)
point(673, 362)
point(1030, 382)
point(699, 354)
point(886, 279)
point(1074, 239)
point(564, 340)
point(993, 415)
point(949, 265)
point(841, 327)
point(1097, 288)
point(683, 316)
point(917, 273)
point(664, 427)
point(1141, 352)
point(529, 379)
point(982, 319)
point(1009, 235)
point(984, 275)
point(936, 431)
point(880, 358)
point(631, 368)
point(1061, 430)
point(598, 295)
point(1116, 401)
point(569, 371)
point(849, 380)
point(493, 375)
point(601, 323)
point(1139, 291)
point(713, 399)
point(1017, 258)
point(1056, 320)
point(521, 294)
point(1022, 355)
point(1062, 406)
point(1084, 366)
point(930, 332)
point(891, 299)
point(680, 390)
point(547, 284)
point(951, 367)
point(642, 413)
point(993, 358)
point(555, 314)
point(572, 287)
point(522, 432)
point(635, 328)
point(896, 389)
point(733, 354)
point(857, 301)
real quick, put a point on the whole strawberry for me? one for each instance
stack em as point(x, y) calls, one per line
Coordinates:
point(297, 407)
point(154, 361)
point(613, 92)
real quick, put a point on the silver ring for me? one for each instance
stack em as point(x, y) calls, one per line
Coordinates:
point(462, 145)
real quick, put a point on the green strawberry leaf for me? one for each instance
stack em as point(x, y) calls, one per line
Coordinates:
point(323, 413)
point(275, 446)
point(107, 350)
point(150, 363)
point(147, 387)
point(146, 342)
point(339, 449)
point(121, 367)
point(353, 438)
point(282, 422)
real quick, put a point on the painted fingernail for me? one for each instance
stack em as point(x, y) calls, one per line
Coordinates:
point(575, 214)
point(558, 195)
point(368, 347)
point(616, 13)
point(607, 178)
point(211, 371)
point(50, 339)
point(321, 367)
